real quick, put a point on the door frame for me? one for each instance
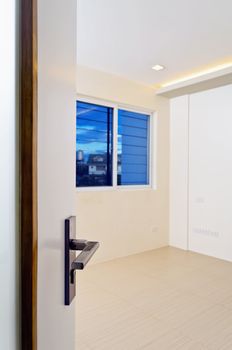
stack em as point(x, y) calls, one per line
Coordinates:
point(28, 172)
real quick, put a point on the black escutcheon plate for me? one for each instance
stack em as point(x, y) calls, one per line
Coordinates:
point(69, 256)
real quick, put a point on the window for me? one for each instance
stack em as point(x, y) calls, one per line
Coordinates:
point(99, 131)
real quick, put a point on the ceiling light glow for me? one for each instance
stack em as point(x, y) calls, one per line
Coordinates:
point(198, 74)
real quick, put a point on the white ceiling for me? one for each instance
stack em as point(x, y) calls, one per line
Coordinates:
point(128, 37)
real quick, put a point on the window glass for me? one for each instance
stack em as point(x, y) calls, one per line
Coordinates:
point(133, 148)
point(94, 144)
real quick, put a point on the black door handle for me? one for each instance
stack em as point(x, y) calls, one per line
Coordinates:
point(73, 262)
point(88, 249)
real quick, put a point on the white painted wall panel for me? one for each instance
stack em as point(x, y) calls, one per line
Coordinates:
point(179, 172)
point(210, 191)
point(56, 166)
point(141, 216)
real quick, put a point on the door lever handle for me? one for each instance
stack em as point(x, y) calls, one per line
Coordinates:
point(71, 261)
point(88, 248)
point(77, 244)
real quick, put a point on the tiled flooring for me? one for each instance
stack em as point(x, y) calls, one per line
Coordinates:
point(157, 300)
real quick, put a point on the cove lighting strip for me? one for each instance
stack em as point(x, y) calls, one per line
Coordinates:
point(198, 74)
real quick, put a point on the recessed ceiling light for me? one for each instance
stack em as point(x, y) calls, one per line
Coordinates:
point(158, 67)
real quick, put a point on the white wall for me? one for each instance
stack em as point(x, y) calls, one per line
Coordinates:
point(206, 132)
point(9, 257)
point(179, 120)
point(210, 189)
point(138, 218)
point(56, 166)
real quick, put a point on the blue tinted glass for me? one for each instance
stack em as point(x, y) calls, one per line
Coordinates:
point(133, 148)
point(94, 125)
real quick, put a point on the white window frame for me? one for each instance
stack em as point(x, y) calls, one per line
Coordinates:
point(152, 145)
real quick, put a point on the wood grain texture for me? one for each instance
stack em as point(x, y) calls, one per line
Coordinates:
point(28, 173)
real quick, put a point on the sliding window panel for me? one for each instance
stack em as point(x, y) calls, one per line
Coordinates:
point(94, 145)
point(133, 148)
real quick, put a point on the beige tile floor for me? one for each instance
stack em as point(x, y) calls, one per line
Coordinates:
point(157, 300)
